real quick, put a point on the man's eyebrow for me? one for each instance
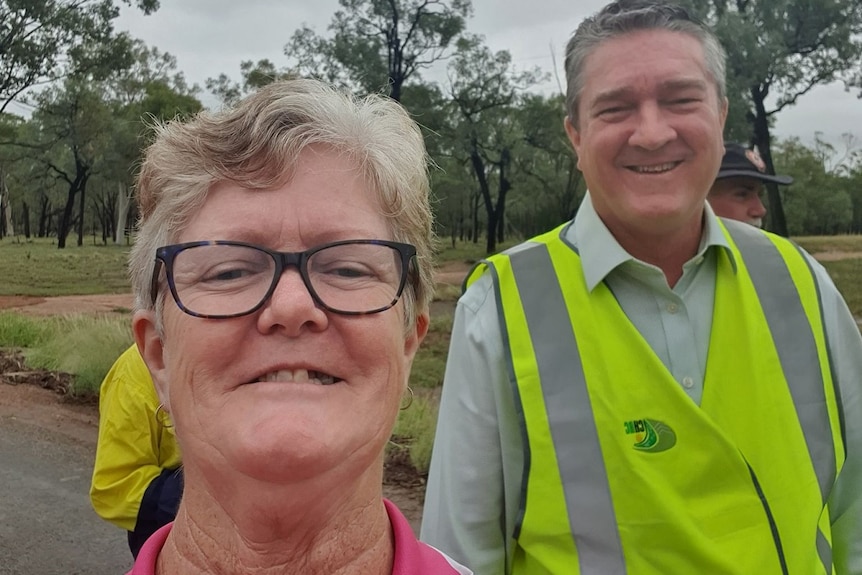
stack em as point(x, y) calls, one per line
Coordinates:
point(683, 84)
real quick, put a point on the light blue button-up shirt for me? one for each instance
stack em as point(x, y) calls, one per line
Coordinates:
point(475, 480)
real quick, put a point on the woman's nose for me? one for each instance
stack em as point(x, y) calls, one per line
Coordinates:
point(291, 306)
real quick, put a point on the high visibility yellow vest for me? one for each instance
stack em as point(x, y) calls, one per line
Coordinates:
point(624, 473)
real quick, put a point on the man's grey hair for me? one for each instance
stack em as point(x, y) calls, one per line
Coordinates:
point(627, 16)
point(256, 145)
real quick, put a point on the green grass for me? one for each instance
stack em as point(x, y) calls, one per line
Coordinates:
point(415, 427)
point(20, 331)
point(84, 346)
point(430, 361)
point(38, 268)
point(847, 275)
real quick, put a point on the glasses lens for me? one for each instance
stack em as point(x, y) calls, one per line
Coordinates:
point(356, 278)
point(222, 279)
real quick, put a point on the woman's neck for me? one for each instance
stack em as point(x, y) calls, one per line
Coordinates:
point(339, 532)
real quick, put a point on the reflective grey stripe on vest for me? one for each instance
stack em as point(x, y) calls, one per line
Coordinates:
point(570, 415)
point(797, 352)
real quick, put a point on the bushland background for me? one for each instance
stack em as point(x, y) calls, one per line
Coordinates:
point(77, 99)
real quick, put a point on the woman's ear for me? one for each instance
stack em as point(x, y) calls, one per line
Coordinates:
point(150, 347)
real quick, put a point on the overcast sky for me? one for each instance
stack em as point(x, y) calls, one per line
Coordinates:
point(210, 37)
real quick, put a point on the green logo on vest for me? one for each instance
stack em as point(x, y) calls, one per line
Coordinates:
point(651, 435)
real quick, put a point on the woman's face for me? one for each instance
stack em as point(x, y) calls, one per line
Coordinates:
point(245, 393)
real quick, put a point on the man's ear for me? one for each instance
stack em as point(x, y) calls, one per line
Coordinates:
point(152, 350)
point(574, 137)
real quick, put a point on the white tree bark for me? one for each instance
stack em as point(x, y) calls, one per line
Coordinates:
point(6, 206)
point(123, 202)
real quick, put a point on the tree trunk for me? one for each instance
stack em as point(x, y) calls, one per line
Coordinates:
point(6, 227)
point(502, 191)
point(776, 221)
point(484, 189)
point(83, 192)
point(25, 211)
point(122, 213)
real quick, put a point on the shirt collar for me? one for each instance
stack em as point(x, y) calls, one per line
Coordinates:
point(601, 253)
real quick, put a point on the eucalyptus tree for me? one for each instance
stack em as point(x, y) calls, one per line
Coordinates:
point(819, 201)
point(254, 75)
point(73, 123)
point(484, 88)
point(380, 44)
point(548, 162)
point(778, 51)
point(151, 89)
point(39, 38)
point(93, 125)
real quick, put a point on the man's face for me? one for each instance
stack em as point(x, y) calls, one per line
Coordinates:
point(649, 139)
point(738, 198)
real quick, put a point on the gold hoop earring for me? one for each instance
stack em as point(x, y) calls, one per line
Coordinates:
point(409, 399)
point(165, 420)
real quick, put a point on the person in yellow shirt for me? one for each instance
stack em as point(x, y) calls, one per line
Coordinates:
point(137, 479)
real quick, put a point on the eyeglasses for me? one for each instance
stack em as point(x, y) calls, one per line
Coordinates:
point(221, 279)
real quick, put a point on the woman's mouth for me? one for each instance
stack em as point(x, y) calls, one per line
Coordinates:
point(298, 376)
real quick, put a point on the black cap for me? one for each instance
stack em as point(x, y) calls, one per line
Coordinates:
point(740, 161)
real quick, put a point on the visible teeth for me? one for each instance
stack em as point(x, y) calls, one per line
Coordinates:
point(299, 376)
point(654, 169)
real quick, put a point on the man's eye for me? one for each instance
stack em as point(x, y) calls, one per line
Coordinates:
point(683, 102)
point(611, 110)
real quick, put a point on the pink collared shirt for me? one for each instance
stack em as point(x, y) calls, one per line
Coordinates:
point(412, 557)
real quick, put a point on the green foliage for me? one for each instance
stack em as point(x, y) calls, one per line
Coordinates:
point(414, 430)
point(379, 44)
point(74, 157)
point(38, 38)
point(817, 201)
point(254, 75)
point(38, 268)
point(84, 346)
point(430, 361)
point(778, 50)
point(20, 331)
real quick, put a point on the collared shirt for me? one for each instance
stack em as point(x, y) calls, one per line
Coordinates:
point(411, 556)
point(475, 480)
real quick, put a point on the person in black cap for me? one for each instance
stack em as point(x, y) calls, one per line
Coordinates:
point(738, 187)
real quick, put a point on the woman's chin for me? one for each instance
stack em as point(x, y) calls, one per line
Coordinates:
point(291, 458)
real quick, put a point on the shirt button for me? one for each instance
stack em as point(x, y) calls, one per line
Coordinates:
point(687, 382)
point(672, 308)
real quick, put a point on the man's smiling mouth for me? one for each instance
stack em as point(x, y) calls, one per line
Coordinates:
point(655, 169)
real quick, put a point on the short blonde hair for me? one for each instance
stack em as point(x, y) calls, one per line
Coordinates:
point(256, 145)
